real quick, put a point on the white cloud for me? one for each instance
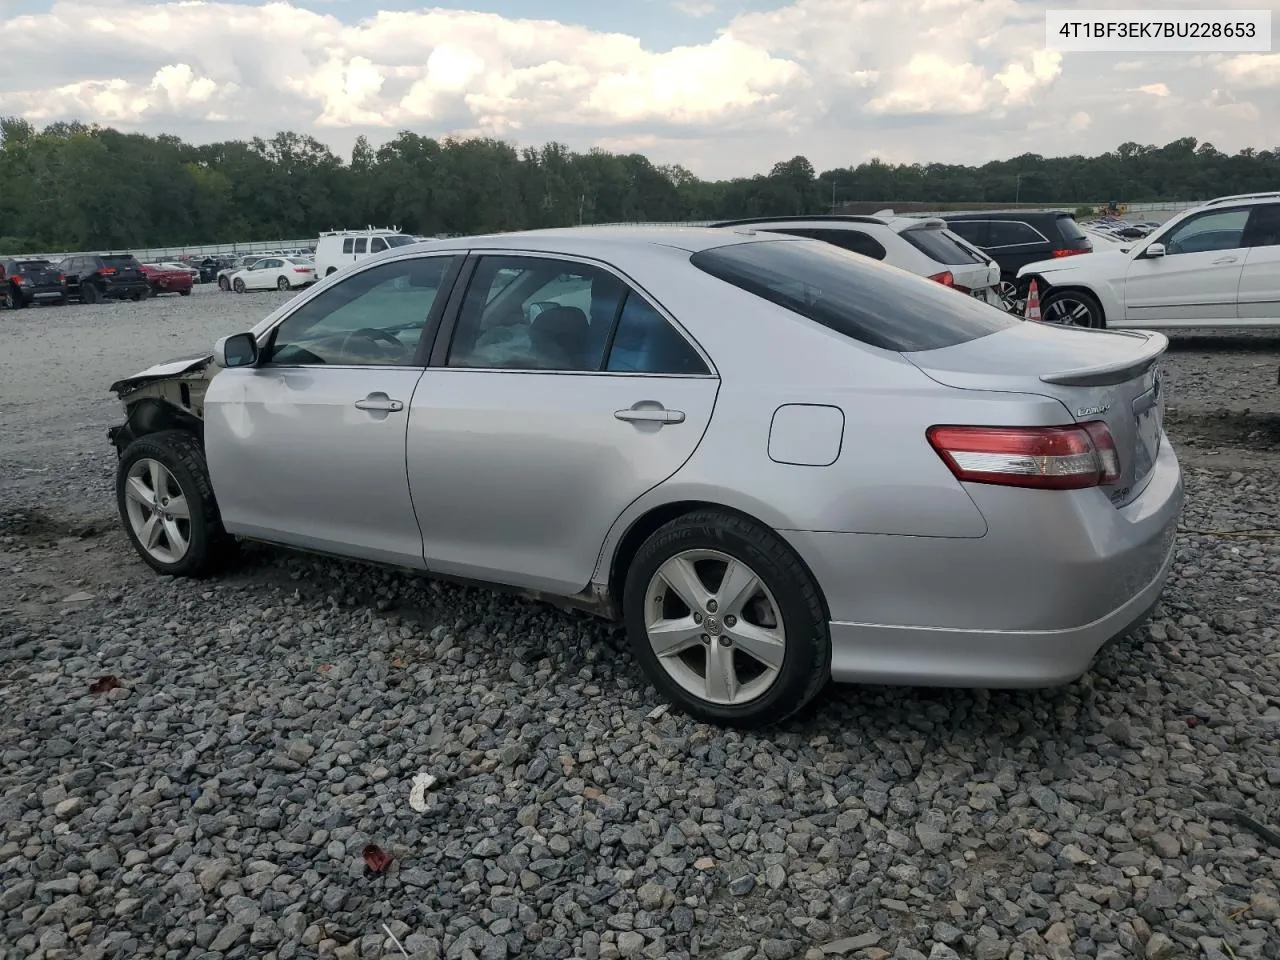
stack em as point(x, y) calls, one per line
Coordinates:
point(837, 80)
point(1252, 69)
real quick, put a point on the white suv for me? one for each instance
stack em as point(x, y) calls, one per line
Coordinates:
point(1217, 264)
point(336, 248)
point(920, 245)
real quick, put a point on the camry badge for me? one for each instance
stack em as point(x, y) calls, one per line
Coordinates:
point(1093, 411)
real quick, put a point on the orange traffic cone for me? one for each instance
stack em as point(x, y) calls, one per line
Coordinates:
point(1032, 310)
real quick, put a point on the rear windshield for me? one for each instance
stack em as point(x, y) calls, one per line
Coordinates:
point(853, 295)
point(121, 260)
point(938, 246)
point(23, 265)
point(1070, 229)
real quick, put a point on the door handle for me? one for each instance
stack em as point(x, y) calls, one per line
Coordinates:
point(380, 402)
point(650, 415)
point(1225, 260)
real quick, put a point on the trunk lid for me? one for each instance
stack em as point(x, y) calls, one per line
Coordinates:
point(1113, 376)
point(126, 268)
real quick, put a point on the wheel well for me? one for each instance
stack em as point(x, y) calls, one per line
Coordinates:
point(151, 415)
point(644, 526)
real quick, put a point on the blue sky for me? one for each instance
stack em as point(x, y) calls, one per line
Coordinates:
point(727, 93)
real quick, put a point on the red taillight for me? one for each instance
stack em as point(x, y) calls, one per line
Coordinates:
point(1070, 253)
point(62, 278)
point(18, 279)
point(947, 279)
point(1045, 458)
point(301, 269)
point(107, 270)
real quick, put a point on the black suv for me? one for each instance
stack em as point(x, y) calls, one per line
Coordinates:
point(111, 276)
point(1018, 237)
point(30, 280)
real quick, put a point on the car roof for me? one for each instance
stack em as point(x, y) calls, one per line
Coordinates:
point(588, 240)
point(1007, 214)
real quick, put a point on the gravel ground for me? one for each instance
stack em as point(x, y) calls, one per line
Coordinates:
point(268, 727)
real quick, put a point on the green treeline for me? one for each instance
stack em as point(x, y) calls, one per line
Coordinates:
point(71, 186)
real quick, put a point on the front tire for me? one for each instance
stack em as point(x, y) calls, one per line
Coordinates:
point(1072, 308)
point(184, 293)
point(166, 504)
point(726, 621)
point(239, 285)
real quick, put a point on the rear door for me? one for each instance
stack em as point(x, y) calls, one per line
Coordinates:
point(1259, 298)
point(1198, 277)
point(558, 395)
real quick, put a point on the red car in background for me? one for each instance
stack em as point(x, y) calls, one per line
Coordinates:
point(166, 280)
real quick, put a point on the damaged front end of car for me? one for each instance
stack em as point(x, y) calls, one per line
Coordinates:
point(167, 396)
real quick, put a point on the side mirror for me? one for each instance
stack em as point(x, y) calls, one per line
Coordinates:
point(1154, 250)
point(237, 350)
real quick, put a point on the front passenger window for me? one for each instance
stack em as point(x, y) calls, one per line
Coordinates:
point(1207, 232)
point(375, 317)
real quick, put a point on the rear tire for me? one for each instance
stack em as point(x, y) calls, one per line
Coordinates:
point(161, 476)
point(1072, 308)
point(770, 641)
point(331, 270)
point(184, 293)
point(282, 284)
point(224, 284)
point(13, 298)
point(90, 293)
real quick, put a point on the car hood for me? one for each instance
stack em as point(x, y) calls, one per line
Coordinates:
point(1105, 262)
point(163, 371)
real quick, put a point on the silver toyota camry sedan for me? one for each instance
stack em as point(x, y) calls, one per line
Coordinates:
point(777, 462)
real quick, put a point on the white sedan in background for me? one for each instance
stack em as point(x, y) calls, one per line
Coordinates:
point(283, 273)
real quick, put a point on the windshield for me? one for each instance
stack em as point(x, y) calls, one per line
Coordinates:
point(853, 295)
point(399, 241)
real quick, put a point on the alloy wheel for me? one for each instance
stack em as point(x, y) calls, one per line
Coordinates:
point(1068, 311)
point(714, 627)
point(158, 511)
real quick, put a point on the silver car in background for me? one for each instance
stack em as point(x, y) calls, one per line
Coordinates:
point(778, 462)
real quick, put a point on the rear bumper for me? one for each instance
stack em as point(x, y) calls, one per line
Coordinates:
point(1030, 604)
point(125, 289)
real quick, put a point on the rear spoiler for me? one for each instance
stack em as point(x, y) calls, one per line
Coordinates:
point(1117, 371)
point(926, 223)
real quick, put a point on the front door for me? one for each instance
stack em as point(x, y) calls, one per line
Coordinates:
point(1260, 278)
point(307, 448)
point(562, 395)
point(1197, 279)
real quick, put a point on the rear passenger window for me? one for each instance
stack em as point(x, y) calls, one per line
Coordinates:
point(377, 245)
point(348, 245)
point(646, 343)
point(974, 231)
point(362, 245)
point(1011, 233)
